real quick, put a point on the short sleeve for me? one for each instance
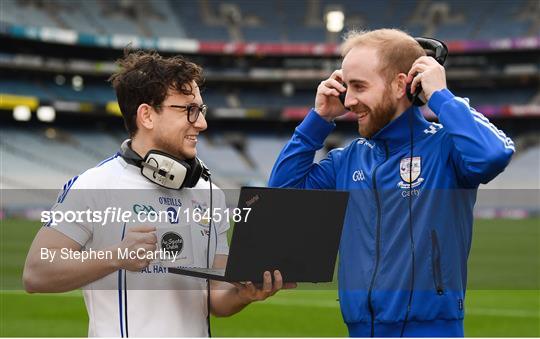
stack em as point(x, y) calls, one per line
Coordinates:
point(69, 214)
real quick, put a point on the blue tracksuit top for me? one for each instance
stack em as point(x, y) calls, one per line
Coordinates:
point(450, 160)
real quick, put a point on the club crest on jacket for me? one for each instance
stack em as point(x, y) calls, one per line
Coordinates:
point(405, 172)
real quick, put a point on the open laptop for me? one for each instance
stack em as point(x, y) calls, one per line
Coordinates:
point(294, 231)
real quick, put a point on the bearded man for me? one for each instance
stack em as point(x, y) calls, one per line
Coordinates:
point(412, 183)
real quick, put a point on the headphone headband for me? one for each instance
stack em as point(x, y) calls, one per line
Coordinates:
point(436, 49)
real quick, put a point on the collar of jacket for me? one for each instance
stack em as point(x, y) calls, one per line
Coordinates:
point(396, 134)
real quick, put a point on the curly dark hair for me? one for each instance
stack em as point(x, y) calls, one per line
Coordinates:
point(146, 77)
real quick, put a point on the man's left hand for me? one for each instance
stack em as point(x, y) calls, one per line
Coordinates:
point(249, 292)
point(429, 73)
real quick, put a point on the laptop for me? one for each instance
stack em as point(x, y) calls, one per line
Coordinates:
point(294, 231)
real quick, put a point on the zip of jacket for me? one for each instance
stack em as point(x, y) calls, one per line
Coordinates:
point(377, 240)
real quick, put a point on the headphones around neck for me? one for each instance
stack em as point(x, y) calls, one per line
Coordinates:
point(167, 171)
point(436, 49)
point(164, 169)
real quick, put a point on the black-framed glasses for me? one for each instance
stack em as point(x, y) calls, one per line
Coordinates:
point(193, 110)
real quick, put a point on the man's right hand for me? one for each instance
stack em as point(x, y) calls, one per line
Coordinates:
point(137, 237)
point(327, 103)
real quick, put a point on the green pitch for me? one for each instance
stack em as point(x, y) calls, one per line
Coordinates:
point(503, 298)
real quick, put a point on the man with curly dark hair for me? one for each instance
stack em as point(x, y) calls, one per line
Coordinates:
point(126, 295)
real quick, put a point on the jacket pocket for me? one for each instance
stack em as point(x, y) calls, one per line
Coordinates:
point(436, 263)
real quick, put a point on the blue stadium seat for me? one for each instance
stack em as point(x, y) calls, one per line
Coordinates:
point(266, 34)
point(25, 88)
point(273, 21)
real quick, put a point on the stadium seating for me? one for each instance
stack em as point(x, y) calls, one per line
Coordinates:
point(16, 12)
point(30, 159)
point(521, 173)
point(25, 88)
point(243, 20)
point(264, 149)
point(228, 164)
point(38, 163)
point(188, 13)
point(497, 96)
point(144, 18)
point(249, 97)
point(25, 166)
point(49, 91)
point(273, 21)
point(70, 152)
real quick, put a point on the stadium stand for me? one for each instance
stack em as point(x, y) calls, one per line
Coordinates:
point(280, 20)
point(497, 96)
point(48, 90)
point(276, 21)
point(145, 18)
point(27, 13)
point(23, 151)
point(200, 22)
point(47, 158)
point(521, 173)
point(243, 97)
point(253, 82)
point(30, 160)
point(264, 150)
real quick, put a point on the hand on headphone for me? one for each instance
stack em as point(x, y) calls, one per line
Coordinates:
point(429, 73)
point(327, 102)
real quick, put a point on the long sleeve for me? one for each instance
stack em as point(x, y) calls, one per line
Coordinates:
point(480, 151)
point(294, 166)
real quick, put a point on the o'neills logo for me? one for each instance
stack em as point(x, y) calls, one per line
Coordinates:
point(172, 243)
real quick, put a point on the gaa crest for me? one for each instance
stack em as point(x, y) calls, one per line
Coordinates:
point(410, 172)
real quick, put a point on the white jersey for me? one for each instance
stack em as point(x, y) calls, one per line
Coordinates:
point(152, 302)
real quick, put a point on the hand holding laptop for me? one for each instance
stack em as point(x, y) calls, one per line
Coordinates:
point(256, 292)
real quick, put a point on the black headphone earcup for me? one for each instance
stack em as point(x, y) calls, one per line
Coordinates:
point(415, 101)
point(193, 174)
point(408, 92)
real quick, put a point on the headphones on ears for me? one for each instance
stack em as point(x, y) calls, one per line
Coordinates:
point(436, 49)
point(165, 170)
